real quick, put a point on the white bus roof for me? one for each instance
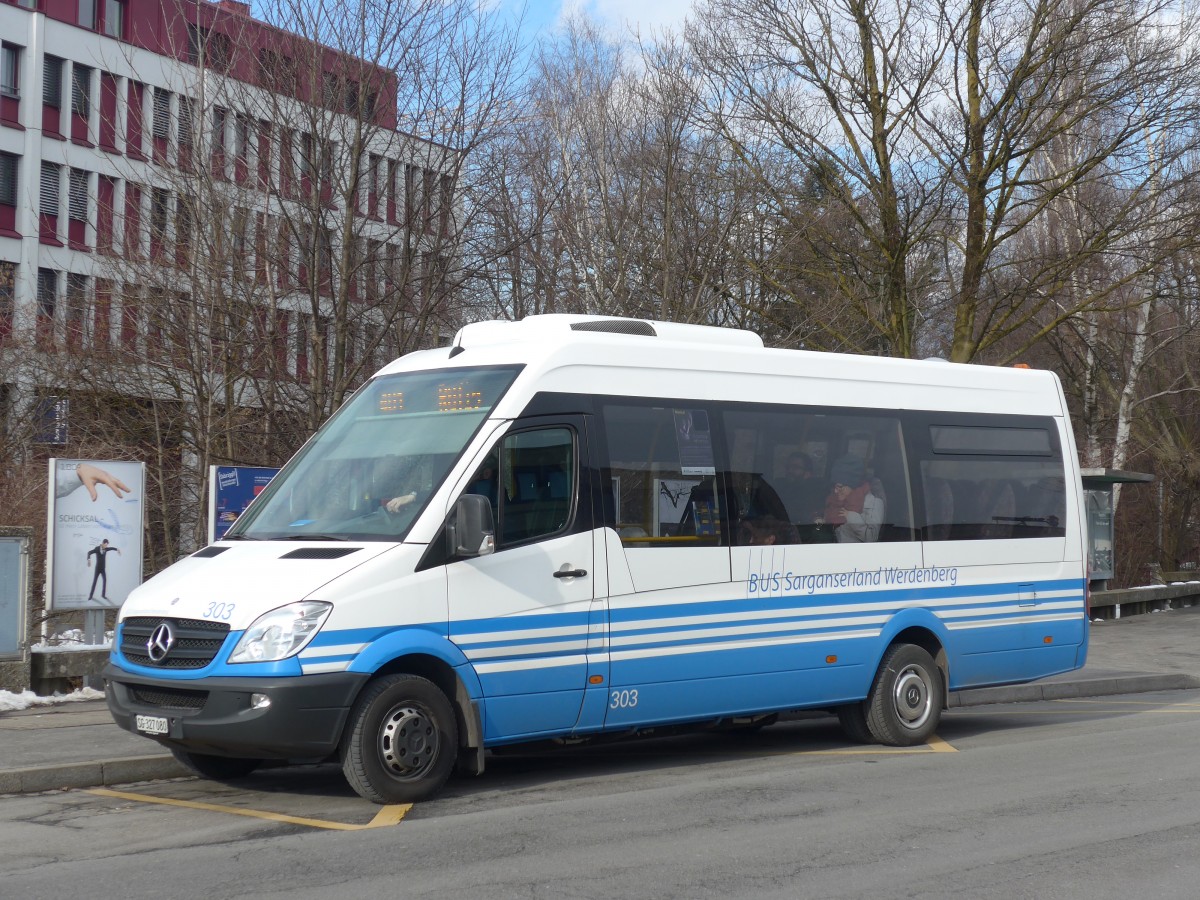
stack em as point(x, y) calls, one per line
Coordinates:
point(644, 358)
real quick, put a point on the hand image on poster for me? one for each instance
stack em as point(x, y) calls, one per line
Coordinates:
point(96, 509)
point(89, 476)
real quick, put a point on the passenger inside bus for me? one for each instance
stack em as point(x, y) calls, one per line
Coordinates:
point(800, 490)
point(853, 507)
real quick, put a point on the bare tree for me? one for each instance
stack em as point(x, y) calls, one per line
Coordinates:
point(938, 130)
point(300, 225)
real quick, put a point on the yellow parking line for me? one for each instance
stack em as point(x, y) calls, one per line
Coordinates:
point(388, 815)
point(937, 745)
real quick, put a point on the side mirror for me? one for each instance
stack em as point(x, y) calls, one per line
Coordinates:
point(470, 531)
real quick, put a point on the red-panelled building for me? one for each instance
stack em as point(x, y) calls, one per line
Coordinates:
point(106, 106)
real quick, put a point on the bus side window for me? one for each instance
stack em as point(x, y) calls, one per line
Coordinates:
point(538, 475)
point(992, 482)
point(664, 490)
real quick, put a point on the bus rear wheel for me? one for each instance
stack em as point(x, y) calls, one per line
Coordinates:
point(905, 703)
point(401, 741)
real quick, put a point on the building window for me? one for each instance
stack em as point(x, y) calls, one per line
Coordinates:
point(114, 18)
point(77, 195)
point(133, 220)
point(102, 314)
point(106, 191)
point(218, 141)
point(8, 280)
point(87, 13)
point(131, 325)
point(185, 121)
point(160, 212)
point(52, 69)
point(162, 113)
point(308, 168)
point(47, 300)
point(331, 94)
point(353, 95)
point(287, 163)
point(49, 190)
point(195, 39)
point(8, 179)
point(135, 120)
point(75, 311)
point(183, 232)
point(241, 146)
point(81, 90)
point(207, 48)
point(77, 208)
point(10, 66)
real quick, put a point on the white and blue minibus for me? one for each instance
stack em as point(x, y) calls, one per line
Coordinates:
point(579, 526)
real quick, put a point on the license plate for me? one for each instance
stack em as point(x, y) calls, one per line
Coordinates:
point(151, 724)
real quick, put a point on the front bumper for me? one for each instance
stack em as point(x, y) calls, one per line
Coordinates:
point(303, 721)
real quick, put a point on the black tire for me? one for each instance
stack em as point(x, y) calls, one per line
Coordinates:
point(853, 719)
point(401, 741)
point(216, 768)
point(905, 703)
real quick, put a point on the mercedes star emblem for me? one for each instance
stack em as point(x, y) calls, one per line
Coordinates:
point(162, 639)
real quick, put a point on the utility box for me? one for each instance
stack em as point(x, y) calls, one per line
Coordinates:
point(1098, 491)
point(14, 608)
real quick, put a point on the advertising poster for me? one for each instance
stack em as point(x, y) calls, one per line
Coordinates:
point(95, 532)
point(231, 490)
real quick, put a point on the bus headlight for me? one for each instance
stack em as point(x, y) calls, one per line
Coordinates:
point(281, 632)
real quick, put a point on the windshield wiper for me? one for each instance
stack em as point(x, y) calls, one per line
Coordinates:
point(239, 537)
point(315, 537)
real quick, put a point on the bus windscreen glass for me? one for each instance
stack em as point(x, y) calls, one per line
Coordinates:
point(370, 469)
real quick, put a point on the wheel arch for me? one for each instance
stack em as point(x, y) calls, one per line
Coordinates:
point(448, 680)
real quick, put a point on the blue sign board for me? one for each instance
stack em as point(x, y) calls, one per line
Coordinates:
point(50, 417)
point(233, 487)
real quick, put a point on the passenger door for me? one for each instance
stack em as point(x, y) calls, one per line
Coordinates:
point(524, 614)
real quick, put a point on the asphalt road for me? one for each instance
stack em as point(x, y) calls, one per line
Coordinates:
point(1092, 798)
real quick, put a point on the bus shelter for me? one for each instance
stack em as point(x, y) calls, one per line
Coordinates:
point(1098, 487)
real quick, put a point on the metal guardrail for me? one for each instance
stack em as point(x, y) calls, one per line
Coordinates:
point(1139, 600)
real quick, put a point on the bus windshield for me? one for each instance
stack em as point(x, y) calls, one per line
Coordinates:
point(374, 465)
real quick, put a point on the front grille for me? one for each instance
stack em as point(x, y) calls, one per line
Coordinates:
point(196, 641)
point(167, 698)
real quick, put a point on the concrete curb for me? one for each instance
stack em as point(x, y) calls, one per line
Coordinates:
point(35, 779)
point(1065, 690)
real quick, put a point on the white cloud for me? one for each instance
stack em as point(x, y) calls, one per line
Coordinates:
point(621, 16)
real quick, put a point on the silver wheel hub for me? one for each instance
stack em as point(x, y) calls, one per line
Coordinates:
point(913, 697)
point(408, 741)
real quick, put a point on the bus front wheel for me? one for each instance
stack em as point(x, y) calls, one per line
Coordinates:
point(905, 703)
point(401, 741)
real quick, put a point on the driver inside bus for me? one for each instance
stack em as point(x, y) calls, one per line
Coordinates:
point(398, 472)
